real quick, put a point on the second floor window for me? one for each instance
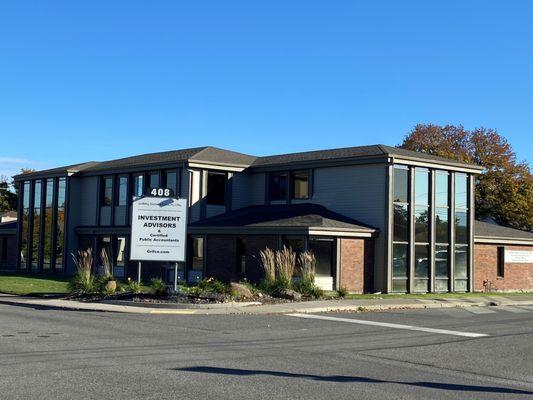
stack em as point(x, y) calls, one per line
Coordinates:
point(278, 186)
point(107, 191)
point(216, 188)
point(300, 185)
point(122, 195)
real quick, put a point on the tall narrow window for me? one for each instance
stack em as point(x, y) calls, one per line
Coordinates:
point(48, 226)
point(442, 231)
point(461, 251)
point(500, 268)
point(25, 225)
point(37, 189)
point(60, 235)
point(324, 251)
point(170, 180)
point(300, 185)
point(278, 186)
point(421, 215)
point(138, 185)
point(122, 195)
point(107, 191)
point(216, 188)
point(400, 247)
point(196, 258)
point(154, 179)
point(241, 256)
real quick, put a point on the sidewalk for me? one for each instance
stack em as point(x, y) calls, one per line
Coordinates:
point(255, 308)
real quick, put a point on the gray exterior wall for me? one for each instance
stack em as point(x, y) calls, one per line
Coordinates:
point(88, 198)
point(248, 189)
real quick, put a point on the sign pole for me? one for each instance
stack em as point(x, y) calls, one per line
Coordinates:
point(139, 272)
point(175, 277)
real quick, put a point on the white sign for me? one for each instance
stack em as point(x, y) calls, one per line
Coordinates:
point(158, 229)
point(519, 256)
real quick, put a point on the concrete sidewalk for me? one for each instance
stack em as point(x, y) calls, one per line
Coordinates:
point(282, 308)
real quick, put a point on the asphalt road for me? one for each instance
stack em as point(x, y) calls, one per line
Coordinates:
point(50, 354)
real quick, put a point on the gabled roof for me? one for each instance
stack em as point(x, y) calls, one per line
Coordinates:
point(491, 232)
point(56, 171)
point(304, 216)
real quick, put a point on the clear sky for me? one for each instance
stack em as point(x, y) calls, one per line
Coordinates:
point(94, 80)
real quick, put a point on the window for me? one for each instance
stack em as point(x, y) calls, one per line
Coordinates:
point(442, 231)
point(421, 268)
point(60, 223)
point(501, 262)
point(197, 254)
point(36, 225)
point(324, 251)
point(278, 186)
point(241, 256)
point(107, 191)
point(461, 253)
point(25, 225)
point(296, 243)
point(421, 219)
point(300, 185)
point(154, 179)
point(421, 224)
point(122, 195)
point(48, 226)
point(400, 262)
point(216, 188)
point(138, 185)
point(170, 180)
point(441, 268)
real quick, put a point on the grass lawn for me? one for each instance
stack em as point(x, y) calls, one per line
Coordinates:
point(32, 285)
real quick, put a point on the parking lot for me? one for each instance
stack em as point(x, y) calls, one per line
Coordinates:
point(473, 353)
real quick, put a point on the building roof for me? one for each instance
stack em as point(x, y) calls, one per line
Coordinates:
point(487, 231)
point(296, 216)
point(354, 152)
point(216, 156)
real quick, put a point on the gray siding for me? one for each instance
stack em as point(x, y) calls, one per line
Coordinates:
point(88, 198)
point(248, 189)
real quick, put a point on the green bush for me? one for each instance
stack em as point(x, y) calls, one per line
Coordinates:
point(81, 283)
point(159, 287)
point(213, 285)
point(308, 288)
point(133, 286)
point(342, 292)
point(100, 283)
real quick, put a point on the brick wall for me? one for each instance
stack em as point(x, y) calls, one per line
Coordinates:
point(517, 276)
point(356, 263)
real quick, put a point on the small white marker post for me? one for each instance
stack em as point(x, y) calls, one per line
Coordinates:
point(139, 272)
point(175, 277)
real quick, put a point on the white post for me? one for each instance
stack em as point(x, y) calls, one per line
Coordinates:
point(175, 277)
point(139, 272)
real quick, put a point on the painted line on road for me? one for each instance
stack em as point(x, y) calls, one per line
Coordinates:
point(388, 325)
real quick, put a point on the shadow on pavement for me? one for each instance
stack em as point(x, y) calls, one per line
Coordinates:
point(352, 379)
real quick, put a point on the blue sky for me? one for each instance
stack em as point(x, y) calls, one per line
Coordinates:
point(96, 80)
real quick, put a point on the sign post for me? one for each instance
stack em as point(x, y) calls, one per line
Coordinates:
point(158, 229)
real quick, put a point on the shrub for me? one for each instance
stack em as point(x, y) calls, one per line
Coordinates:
point(133, 286)
point(308, 289)
point(106, 262)
point(342, 292)
point(100, 284)
point(83, 280)
point(268, 262)
point(159, 287)
point(307, 267)
point(213, 285)
point(285, 265)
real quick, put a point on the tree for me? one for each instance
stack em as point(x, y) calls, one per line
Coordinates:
point(504, 189)
point(8, 199)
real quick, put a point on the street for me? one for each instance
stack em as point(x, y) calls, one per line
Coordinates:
point(471, 353)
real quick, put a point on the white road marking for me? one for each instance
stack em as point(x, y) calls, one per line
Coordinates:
point(479, 310)
point(388, 325)
point(516, 310)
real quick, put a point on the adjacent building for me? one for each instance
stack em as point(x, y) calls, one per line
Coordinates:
point(378, 218)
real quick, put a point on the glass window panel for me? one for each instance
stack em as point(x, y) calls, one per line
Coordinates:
point(461, 262)
point(138, 183)
point(421, 261)
point(107, 191)
point(170, 181)
point(441, 262)
point(421, 224)
point(461, 285)
point(441, 225)
point(278, 187)
point(24, 238)
point(324, 253)
point(399, 285)
point(36, 225)
point(461, 190)
point(441, 285)
point(37, 194)
point(197, 254)
point(48, 227)
point(26, 195)
point(401, 186)
point(216, 188)
point(421, 285)
point(61, 191)
point(122, 191)
point(441, 189)
point(296, 243)
point(300, 185)
point(421, 186)
point(154, 179)
point(60, 223)
point(461, 227)
point(401, 223)
point(399, 264)
point(49, 193)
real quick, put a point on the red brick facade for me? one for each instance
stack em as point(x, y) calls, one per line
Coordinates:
point(517, 276)
point(356, 264)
